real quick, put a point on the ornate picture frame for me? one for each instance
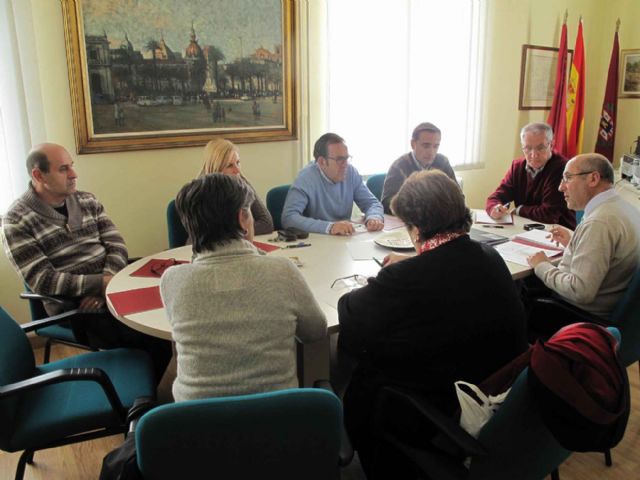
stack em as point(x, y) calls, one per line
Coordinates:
point(162, 74)
point(629, 74)
point(538, 75)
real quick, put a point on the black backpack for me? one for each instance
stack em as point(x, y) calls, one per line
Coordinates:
point(121, 462)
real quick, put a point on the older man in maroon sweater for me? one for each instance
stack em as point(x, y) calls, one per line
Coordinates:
point(532, 181)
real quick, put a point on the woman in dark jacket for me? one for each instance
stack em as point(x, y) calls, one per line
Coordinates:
point(450, 313)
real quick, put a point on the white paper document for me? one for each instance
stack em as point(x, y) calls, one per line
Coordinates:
point(483, 217)
point(517, 252)
point(366, 250)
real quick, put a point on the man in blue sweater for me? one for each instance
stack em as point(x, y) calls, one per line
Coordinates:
point(321, 198)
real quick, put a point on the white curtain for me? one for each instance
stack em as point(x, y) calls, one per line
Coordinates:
point(14, 132)
point(393, 64)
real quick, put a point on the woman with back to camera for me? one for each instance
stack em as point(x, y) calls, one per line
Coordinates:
point(234, 314)
point(222, 156)
point(452, 312)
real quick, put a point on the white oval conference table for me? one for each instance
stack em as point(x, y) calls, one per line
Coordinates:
point(327, 259)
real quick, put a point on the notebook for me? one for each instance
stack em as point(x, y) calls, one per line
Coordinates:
point(538, 238)
point(483, 217)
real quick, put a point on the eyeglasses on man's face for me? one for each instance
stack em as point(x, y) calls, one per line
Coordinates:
point(341, 160)
point(566, 176)
point(351, 282)
point(537, 149)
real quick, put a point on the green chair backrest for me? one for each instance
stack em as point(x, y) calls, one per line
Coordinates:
point(626, 317)
point(275, 203)
point(16, 363)
point(285, 434)
point(519, 444)
point(177, 234)
point(375, 184)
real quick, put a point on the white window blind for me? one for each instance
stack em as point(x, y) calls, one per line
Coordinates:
point(393, 64)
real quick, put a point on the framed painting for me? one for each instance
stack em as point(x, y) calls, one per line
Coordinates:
point(630, 74)
point(538, 76)
point(150, 74)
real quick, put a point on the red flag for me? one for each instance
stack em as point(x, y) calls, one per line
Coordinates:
point(607, 128)
point(558, 115)
point(575, 98)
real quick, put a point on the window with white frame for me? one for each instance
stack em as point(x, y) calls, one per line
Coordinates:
point(393, 64)
point(14, 136)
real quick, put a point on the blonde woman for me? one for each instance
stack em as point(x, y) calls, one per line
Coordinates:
point(222, 156)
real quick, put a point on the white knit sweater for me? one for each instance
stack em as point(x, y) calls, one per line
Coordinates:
point(235, 315)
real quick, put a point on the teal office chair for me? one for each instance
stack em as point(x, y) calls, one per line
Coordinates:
point(375, 184)
point(177, 234)
point(58, 333)
point(515, 443)
point(62, 332)
point(286, 434)
point(275, 203)
point(625, 317)
point(68, 401)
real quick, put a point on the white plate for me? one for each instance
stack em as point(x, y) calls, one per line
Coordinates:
point(397, 239)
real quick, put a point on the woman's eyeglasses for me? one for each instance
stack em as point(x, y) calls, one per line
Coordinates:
point(350, 282)
point(159, 268)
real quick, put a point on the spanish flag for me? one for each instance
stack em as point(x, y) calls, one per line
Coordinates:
point(575, 98)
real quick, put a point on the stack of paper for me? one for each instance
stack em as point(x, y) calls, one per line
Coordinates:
point(516, 252)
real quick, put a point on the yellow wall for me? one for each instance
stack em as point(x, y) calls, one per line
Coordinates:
point(512, 23)
point(136, 187)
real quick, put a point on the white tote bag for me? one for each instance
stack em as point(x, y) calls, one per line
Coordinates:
point(474, 413)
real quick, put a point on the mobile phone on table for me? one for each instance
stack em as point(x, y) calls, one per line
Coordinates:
point(533, 226)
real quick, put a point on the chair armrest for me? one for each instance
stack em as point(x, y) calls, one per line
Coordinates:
point(65, 375)
point(60, 300)
point(446, 425)
point(345, 455)
point(572, 309)
point(141, 405)
point(46, 322)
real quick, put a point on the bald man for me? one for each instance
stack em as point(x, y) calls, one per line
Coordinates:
point(602, 255)
point(61, 242)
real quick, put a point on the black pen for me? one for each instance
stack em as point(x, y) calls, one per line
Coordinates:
point(492, 226)
point(298, 245)
point(378, 262)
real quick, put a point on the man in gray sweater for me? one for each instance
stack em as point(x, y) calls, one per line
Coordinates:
point(425, 141)
point(602, 254)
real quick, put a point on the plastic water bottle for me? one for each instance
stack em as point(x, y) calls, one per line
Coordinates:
point(635, 180)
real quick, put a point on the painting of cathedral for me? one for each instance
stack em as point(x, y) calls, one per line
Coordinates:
point(169, 71)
